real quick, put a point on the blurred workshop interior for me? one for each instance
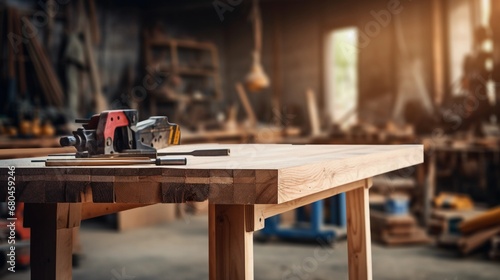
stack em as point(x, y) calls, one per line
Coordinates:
point(272, 72)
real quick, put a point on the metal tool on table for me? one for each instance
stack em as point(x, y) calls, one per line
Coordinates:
point(119, 132)
point(117, 138)
point(112, 161)
point(195, 153)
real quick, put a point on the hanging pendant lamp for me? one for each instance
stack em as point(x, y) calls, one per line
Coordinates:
point(257, 79)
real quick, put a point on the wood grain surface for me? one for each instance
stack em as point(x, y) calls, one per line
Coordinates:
point(252, 174)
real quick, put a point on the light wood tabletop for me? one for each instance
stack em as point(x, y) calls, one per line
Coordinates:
point(253, 183)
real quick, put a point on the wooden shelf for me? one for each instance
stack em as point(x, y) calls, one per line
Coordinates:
point(195, 72)
point(189, 71)
point(177, 98)
point(208, 69)
point(181, 44)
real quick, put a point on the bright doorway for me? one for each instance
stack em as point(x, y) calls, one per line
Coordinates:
point(341, 70)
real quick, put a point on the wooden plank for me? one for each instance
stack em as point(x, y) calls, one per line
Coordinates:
point(438, 50)
point(138, 192)
point(11, 67)
point(308, 178)
point(33, 152)
point(49, 29)
point(487, 219)
point(101, 103)
point(172, 191)
point(45, 72)
point(403, 226)
point(216, 75)
point(495, 30)
point(265, 190)
point(358, 234)
point(244, 187)
point(312, 109)
point(56, 93)
point(94, 23)
point(380, 218)
point(158, 41)
point(441, 218)
point(221, 186)
point(103, 192)
point(468, 243)
point(40, 73)
point(20, 56)
point(2, 19)
point(259, 212)
point(197, 185)
point(418, 236)
point(277, 64)
point(399, 230)
point(174, 55)
point(230, 245)
point(50, 142)
point(78, 188)
point(276, 157)
point(92, 210)
point(254, 174)
point(252, 119)
point(146, 216)
point(429, 188)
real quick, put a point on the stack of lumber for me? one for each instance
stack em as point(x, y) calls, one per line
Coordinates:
point(479, 230)
point(444, 224)
point(396, 229)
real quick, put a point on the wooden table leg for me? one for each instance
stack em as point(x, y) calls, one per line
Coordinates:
point(230, 245)
point(429, 188)
point(358, 234)
point(52, 238)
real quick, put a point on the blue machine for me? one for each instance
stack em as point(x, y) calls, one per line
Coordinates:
point(397, 205)
point(314, 228)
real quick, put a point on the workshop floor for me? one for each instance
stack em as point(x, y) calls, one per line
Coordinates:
point(179, 250)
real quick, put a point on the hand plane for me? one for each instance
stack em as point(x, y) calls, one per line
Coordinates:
point(117, 138)
point(118, 133)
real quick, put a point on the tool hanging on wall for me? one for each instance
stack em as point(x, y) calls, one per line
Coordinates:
point(85, 27)
point(11, 66)
point(49, 82)
point(256, 80)
point(21, 70)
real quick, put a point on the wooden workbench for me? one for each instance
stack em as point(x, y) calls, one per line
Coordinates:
point(254, 183)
